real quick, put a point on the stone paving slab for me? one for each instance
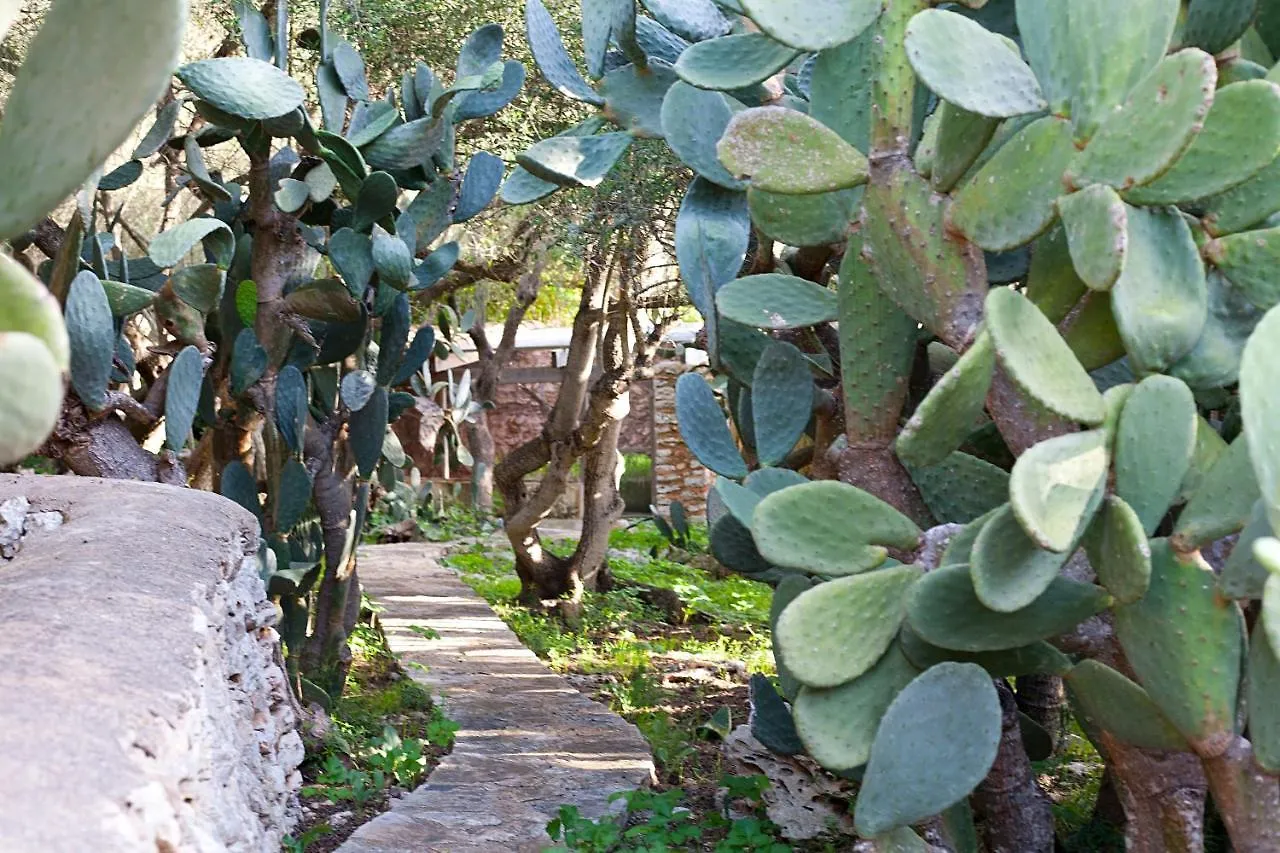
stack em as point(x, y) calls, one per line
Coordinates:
point(528, 743)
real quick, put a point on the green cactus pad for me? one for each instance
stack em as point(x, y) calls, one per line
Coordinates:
point(961, 488)
point(932, 275)
point(945, 611)
point(1267, 552)
point(1093, 335)
point(1088, 58)
point(704, 429)
point(739, 500)
point(960, 548)
point(93, 339)
point(170, 247)
point(713, 232)
point(877, 349)
point(29, 307)
point(1215, 25)
point(836, 631)
point(1119, 552)
point(198, 285)
point(239, 485)
point(784, 151)
point(829, 528)
point(840, 88)
point(936, 742)
point(1214, 362)
point(367, 431)
point(782, 401)
point(32, 382)
point(1034, 659)
point(771, 721)
point(1154, 443)
point(805, 220)
point(1243, 577)
point(1009, 570)
point(291, 407)
point(1116, 705)
point(1172, 104)
point(812, 25)
point(734, 62)
point(1263, 701)
point(1261, 409)
point(961, 138)
point(552, 58)
point(1246, 205)
point(733, 547)
point(1161, 302)
point(292, 495)
point(947, 415)
point(186, 376)
point(1052, 282)
point(1039, 360)
point(1010, 201)
point(575, 160)
point(1184, 643)
point(695, 20)
point(971, 67)
point(1056, 485)
point(693, 121)
point(1250, 261)
point(1097, 226)
point(838, 724)
point(1223, 502)
point(1241, 137)
point(634, 97)
point(787, 590)
point(776, 301)
point(1209, 447)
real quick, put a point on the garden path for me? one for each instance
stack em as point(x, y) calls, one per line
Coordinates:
point(528, 742)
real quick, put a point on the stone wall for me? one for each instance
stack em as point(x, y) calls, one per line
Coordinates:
point(142, 705)
point(677, 474)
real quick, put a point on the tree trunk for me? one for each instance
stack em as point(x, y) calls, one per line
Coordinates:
point(480, 443)
point(1247, 798)
point(1162, 793)
point(1017, 816)
point(1041, 698)
point(602, 508)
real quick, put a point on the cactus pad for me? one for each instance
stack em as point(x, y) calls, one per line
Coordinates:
point(1009, 570)
point(1249, 260)
point(693, 121)
point(1034, 659)
point(1223, 502)
point(1214, 362)
point(1154, 443)
point(1055, 486)
point(1039, 360)
point(32, 380)
point(93, 339)
point(787, 590)
point(1172, 104)
point(812, 24)
point(1184, 643)
point(1010, 201)
point(829, 528)
point(1243, 577)
point(838, 724)
point(1114, 703)
point(1161, 302)
point(945, 611)
point(1097, 227)
point(961, 488)
point(962, 136)
point(1245, 205)
point(29, 307)
point(733, 547)
point(776, 301)
point(1260, 408)
point(805, 220)
point(782, 394)
point(575, 160)
point(784, 151)
point(704, 429)
point(1119, 551)
point(836, 631)
point(734, 62)
point(937, 741)
point(552, 58)
point(1263, 700)
point(947, 415)
point(971, 67)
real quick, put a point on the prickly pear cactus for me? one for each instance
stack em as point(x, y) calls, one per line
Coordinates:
point(1050, 237)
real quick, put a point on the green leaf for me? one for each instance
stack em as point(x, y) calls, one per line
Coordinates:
point(352, 256)
point(1010, 201)
point(349, 66)
point(734, 62)
point(93, 339)
point(1161, 302)
point(704, 429)
point(575, 160)
point(378, 196)
point(776, 301)
point(244, 87)
point(936, 742)
point(1039, 360)
point(829, 528)
point(479, 186)
point(182, 397)
point(1097, 229)
point(969, 66)
point(48, 149)
point(552, 58)
point(199, 285)
point(812, 25)
point(836, 631)
point(1173, 103)
point(1241, 137)
point(247, 302)
point(784, 151)
point(782, 401)
point(125, 299)
point(1153, 446)
point(406, 146)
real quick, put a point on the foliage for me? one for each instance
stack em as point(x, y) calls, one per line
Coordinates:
point(1096, 299)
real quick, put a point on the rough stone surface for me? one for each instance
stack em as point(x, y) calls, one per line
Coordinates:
point(528, 741)
point(141, 706)
point(677, 474)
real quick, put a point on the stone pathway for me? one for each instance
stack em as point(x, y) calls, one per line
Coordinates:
point(528, 742)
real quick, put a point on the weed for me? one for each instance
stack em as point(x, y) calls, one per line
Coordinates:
point(290, 844)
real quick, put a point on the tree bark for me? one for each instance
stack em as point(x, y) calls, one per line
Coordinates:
point(1247, 798)
point(1017, 816)
point(1041, 698)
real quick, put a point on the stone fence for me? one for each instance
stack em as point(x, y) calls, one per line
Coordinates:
point(142, 703)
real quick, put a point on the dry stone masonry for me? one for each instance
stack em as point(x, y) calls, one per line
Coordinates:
point(677, 474)
point(143, 705)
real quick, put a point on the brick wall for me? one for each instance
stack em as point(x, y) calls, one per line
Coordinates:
point(677, 474)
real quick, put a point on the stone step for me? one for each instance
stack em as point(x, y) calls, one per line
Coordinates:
point(528, 742)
